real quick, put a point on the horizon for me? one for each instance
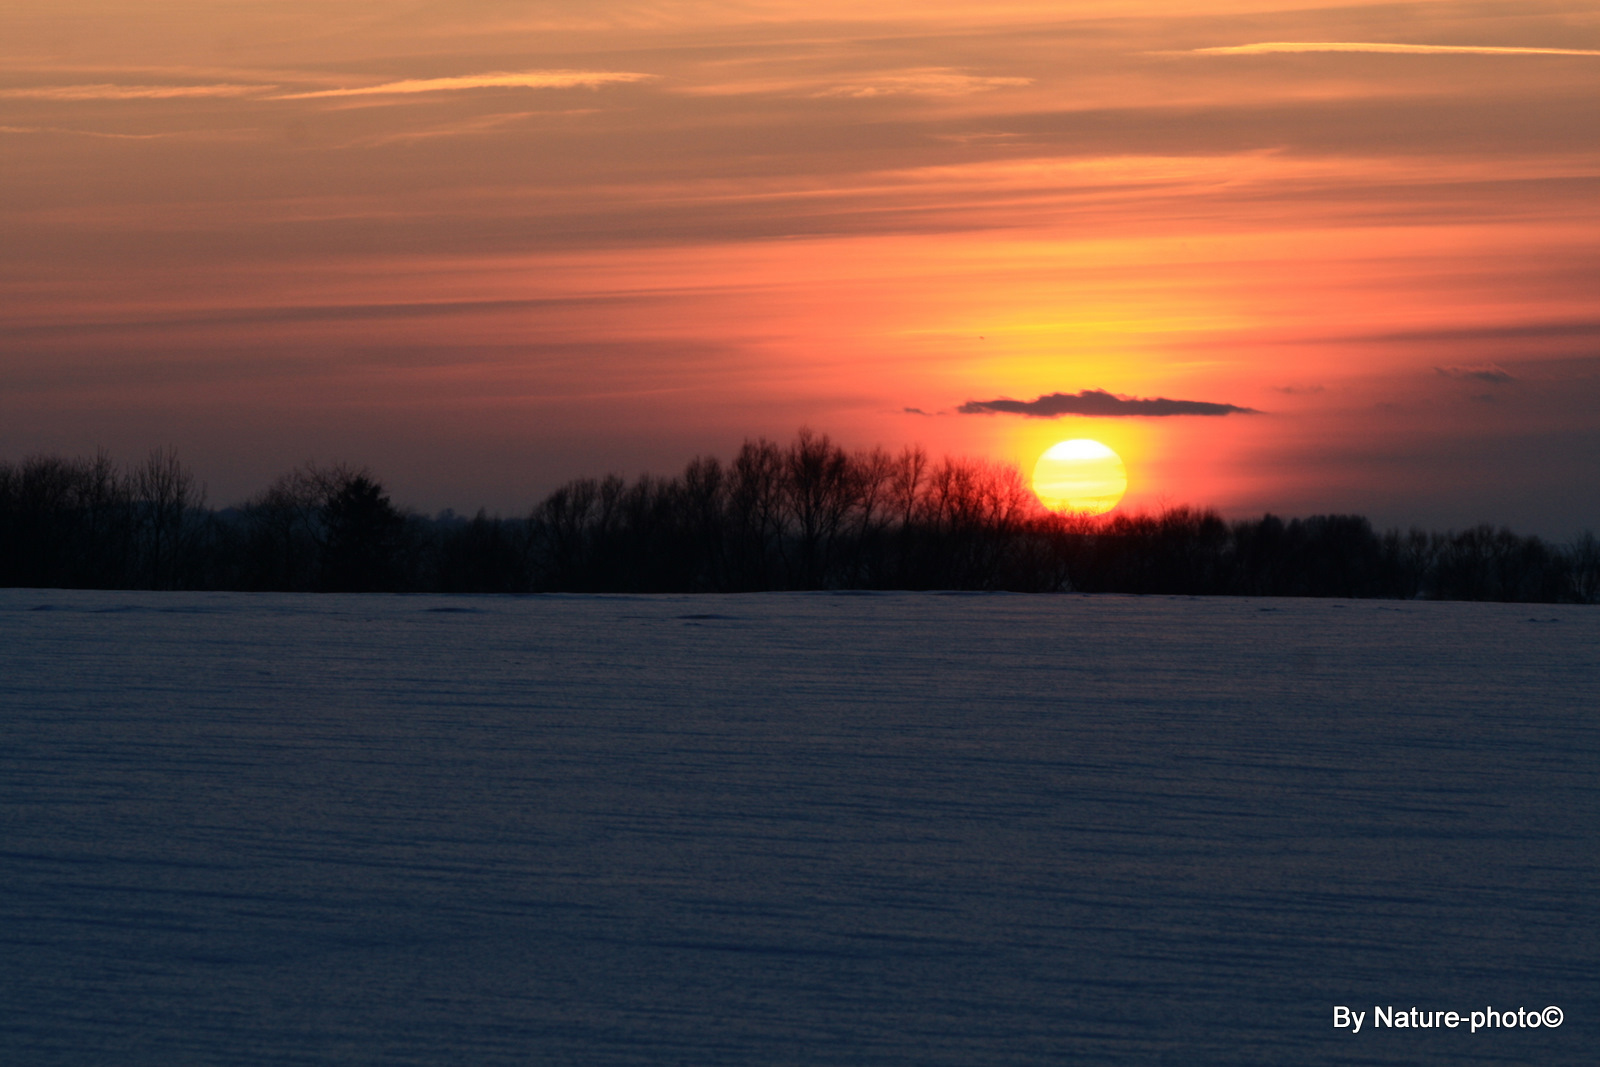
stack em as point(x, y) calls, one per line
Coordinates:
point(1282, 260)
point(802, 516)
point(203, 500)
point(130, 482)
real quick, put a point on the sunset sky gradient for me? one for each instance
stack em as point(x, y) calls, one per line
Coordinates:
point(484, 247)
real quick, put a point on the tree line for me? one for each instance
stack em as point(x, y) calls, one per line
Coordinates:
point(806, 515)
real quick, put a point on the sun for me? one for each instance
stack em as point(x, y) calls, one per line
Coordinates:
point(1080, 477)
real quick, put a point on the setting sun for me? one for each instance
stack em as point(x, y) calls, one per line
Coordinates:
point(1080, 476)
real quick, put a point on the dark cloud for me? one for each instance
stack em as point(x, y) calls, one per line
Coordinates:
point(1570, 328)
point(1100, 404)
point(314, 313)
point(913, 411)
point(1485, 373)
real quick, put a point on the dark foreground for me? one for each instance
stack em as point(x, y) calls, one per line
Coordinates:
point(792, 829)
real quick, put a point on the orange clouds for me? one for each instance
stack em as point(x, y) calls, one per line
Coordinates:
point(1268, 47)
point(698, 220)
point(531, 79)
point(73, 93)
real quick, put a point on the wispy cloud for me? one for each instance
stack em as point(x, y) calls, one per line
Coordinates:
point(1098, 403)
point(91, 133)
point(1487, 372)
point(130, 92)
point(913, 81)
point(1268, 47)
point(480, 126)
point(935, 81)
point(1515, 331)
point(529, 79)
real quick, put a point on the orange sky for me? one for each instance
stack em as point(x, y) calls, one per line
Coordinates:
point(487, 246)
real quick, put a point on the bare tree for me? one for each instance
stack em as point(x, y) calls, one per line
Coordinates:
point(288, 525)
point(819, 489)
point(163, 494)
point(705, 495)
point(1585, 556)
point(755, 507)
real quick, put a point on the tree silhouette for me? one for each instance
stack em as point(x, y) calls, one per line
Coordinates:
point(806, 515)
point(363, 538)
point(1585, 556)
point(163, 496)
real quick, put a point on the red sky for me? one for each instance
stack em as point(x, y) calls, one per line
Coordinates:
point(484, 247)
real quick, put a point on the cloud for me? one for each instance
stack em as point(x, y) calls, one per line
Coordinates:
point(1558, 329)
point(1100, 404)
point(483, 125)
point(528, 79)
point(910, 81)
point(313, 313)
point(90, 133)
point(929, 82)
point(1269, 47)
point(1487, 372)
point(130, 92)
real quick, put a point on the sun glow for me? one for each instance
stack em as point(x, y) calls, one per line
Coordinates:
point(1081, 477)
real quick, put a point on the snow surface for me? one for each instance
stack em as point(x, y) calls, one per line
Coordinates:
point(791, 828)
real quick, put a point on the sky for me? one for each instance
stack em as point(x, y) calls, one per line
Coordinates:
point(1300, 259)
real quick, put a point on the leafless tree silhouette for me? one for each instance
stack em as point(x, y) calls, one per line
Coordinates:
point(806, 515)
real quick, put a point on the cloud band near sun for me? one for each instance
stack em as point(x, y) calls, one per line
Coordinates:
point(80, 93)
point(1269, 47)
point(531, 79)
point(1098, 403)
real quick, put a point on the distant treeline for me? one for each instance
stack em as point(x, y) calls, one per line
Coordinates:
point(807, 515)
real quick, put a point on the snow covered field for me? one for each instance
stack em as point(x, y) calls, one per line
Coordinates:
point(792, 829)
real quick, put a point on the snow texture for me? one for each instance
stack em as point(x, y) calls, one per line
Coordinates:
point(791, 829)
